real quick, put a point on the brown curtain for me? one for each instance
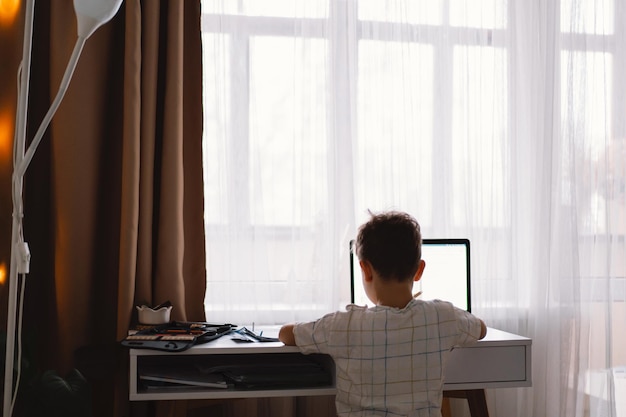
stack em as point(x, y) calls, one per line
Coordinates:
point(114, 196)
point(162, 241)
point(114, 200)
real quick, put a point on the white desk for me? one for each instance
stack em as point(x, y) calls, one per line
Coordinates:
point(499, 360)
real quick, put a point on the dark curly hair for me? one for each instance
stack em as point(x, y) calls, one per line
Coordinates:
point(392, 243)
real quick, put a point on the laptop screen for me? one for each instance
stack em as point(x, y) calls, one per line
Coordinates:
point(446, 276)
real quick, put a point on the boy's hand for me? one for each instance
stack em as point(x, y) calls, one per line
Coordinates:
point(483, 330)
point(286, 336)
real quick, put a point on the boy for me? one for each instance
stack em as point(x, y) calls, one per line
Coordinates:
point(390, 358)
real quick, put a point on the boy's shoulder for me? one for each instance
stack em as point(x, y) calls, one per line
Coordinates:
point(413, 304)
point(415, 307)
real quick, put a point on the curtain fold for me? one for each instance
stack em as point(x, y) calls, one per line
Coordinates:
point(113, 198)
point(162, 109)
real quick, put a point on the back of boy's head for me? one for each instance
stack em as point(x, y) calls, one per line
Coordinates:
point(392, 243)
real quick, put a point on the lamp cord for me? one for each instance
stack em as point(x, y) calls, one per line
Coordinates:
point(18, 365)
point(69, 71)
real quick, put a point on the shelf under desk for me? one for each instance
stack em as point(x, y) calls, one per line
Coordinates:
point(501, 359)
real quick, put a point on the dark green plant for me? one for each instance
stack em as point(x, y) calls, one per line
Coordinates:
point(47, 394)
point(51, 395)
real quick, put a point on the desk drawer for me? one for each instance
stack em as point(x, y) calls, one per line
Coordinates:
point(496, 366)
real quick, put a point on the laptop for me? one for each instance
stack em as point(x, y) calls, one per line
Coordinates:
point(446, 276)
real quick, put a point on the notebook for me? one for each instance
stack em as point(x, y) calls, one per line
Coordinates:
point(446, 276)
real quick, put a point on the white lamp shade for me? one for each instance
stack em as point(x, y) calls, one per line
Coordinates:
point(91, 14)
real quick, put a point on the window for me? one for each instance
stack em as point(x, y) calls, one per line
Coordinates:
point(488, 119)
point(299, 97)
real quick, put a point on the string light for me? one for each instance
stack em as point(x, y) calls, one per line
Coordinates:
point(3, 273)
point(8, 11)
point(6, 134)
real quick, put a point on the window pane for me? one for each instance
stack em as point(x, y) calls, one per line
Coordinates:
point(486, 14)
point(586, 80)
point(415, 11)
point(220, 6)
point(275, 8)
point(216, 109)
point(264, 279)
point(479, 137)
point(395, 127)
point(587, 16)
point(287, 8)
point(288, 174)
point(586, 83)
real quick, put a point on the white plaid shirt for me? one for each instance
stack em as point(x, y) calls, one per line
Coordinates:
point(390, 361)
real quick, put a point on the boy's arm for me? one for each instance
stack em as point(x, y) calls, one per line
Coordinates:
point(471, 328)
point(286, 335)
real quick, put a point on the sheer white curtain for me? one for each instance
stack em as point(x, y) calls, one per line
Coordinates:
point(500, 121)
